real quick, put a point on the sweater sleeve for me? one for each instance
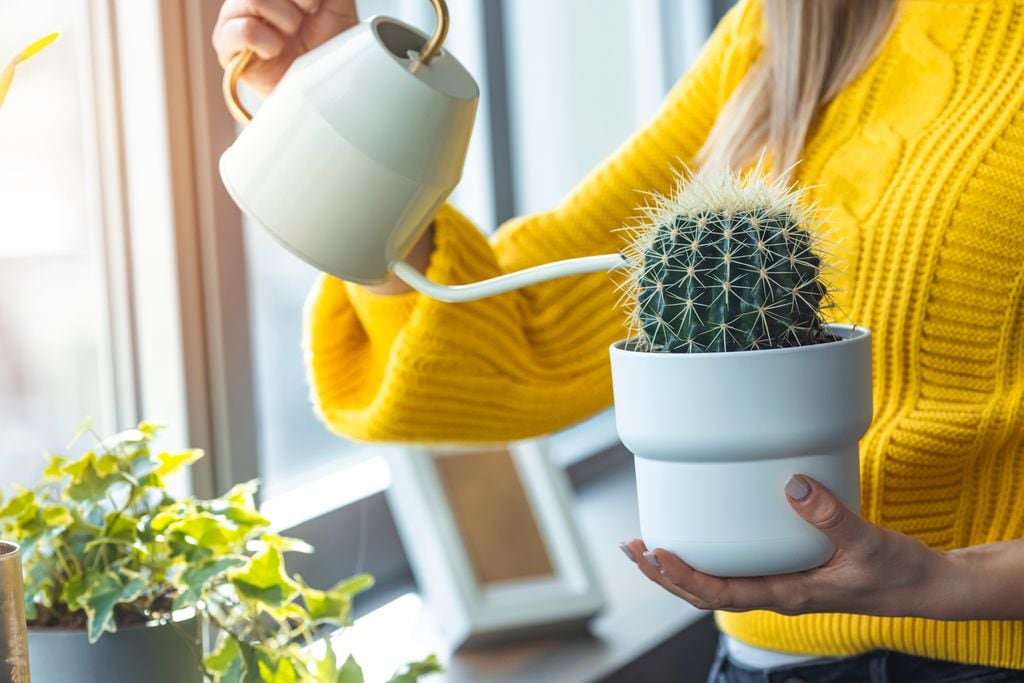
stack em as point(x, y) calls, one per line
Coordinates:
point(407, 368)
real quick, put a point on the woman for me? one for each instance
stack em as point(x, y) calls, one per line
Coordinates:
point(908, 121)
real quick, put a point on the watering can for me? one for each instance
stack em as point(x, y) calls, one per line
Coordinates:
point(356, 149)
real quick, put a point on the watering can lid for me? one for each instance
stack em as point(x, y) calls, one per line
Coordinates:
point(401, 43)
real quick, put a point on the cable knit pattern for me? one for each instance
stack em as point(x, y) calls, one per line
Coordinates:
point(920, 164)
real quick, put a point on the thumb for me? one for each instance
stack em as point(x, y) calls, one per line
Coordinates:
point(821, 508)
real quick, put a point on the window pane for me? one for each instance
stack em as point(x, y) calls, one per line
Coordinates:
point(293, 442)
point(51, 283)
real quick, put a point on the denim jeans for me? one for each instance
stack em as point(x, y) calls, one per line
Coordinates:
point(880, 666)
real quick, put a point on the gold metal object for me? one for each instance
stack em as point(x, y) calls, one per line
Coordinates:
point(230, 86)
point(433, 45)
point(13, 633)
point(237, 64)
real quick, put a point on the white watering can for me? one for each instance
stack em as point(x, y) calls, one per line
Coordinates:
point(357, 148)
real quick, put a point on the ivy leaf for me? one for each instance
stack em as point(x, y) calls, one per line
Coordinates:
point(350, 672)
point(239, 514)
point(243, 494)
point(207, 532)
point(54, 465)
point(56, 516)
point(150, 428)
point(191, 581)
point(286, 544)
point(274, 666)
point(226, 663)
point(411, 673)
point(172, 462)
point(100, 598)
point(264, 580)
point(121, 526)
point(107, 465)
point(23, 504)
point(334, 605)
point(86, 482)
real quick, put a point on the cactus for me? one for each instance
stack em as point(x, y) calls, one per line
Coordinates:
point(730, 262)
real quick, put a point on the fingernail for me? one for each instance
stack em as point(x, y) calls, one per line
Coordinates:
point(652, 560)
point(627, 552)
point(797, 488)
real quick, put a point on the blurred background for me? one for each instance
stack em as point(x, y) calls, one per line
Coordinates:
point(129, 288)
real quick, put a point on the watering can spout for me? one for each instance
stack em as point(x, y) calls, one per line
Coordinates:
point(356, 149)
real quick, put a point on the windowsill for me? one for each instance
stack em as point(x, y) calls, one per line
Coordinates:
point(638, 619)
point(363, 473)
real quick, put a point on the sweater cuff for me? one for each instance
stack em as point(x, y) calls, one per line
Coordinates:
point(461, 255)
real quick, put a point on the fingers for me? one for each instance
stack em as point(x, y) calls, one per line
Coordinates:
point(284, 15)
point(257, 25)
point(788, 593)
point(308, 6)
point(635, 550)
point(247, 34)
point(821, 508)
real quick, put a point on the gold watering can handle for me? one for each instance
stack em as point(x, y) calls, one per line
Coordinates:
point(238, 63)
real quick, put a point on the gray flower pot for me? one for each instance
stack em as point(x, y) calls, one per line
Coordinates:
point(151, 653)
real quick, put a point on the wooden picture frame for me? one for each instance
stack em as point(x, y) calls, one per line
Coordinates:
point(491, 538)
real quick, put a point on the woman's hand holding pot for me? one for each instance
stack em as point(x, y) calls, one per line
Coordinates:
point(873, 571)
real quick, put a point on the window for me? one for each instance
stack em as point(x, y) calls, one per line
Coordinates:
point(130, 287)
point(55, 355)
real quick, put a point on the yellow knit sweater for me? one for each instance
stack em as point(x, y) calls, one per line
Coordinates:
point(920, 163)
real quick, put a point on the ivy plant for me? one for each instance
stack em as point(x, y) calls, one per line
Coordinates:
point(105, 544)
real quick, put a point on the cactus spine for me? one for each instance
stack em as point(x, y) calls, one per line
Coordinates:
point(728, 263)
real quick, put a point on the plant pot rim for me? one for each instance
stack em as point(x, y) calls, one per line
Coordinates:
point(9, 548)
point(847, 334)
point(178, 617)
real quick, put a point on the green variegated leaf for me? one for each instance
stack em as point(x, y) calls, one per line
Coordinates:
point(191, 581)
point(21, 505)
point(286, 544)
point(354, 584)
point(207, 531)
point(86, 482)
point(226, 663)
point(251, 662)
point(57, 516)
point(172, 462)
point(411, 673)
point(264, 579)
point(100, 598)
point(243, 516)
point(350, 672)
point(243, 494)
point(151, 429)
point(54, 465)
point(121, 526)
point(274, 666)
point(335, 604)
point(107, 464)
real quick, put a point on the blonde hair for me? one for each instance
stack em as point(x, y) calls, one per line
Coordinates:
point(813, 48)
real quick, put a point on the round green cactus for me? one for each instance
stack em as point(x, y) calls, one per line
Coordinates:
point(728, 263)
